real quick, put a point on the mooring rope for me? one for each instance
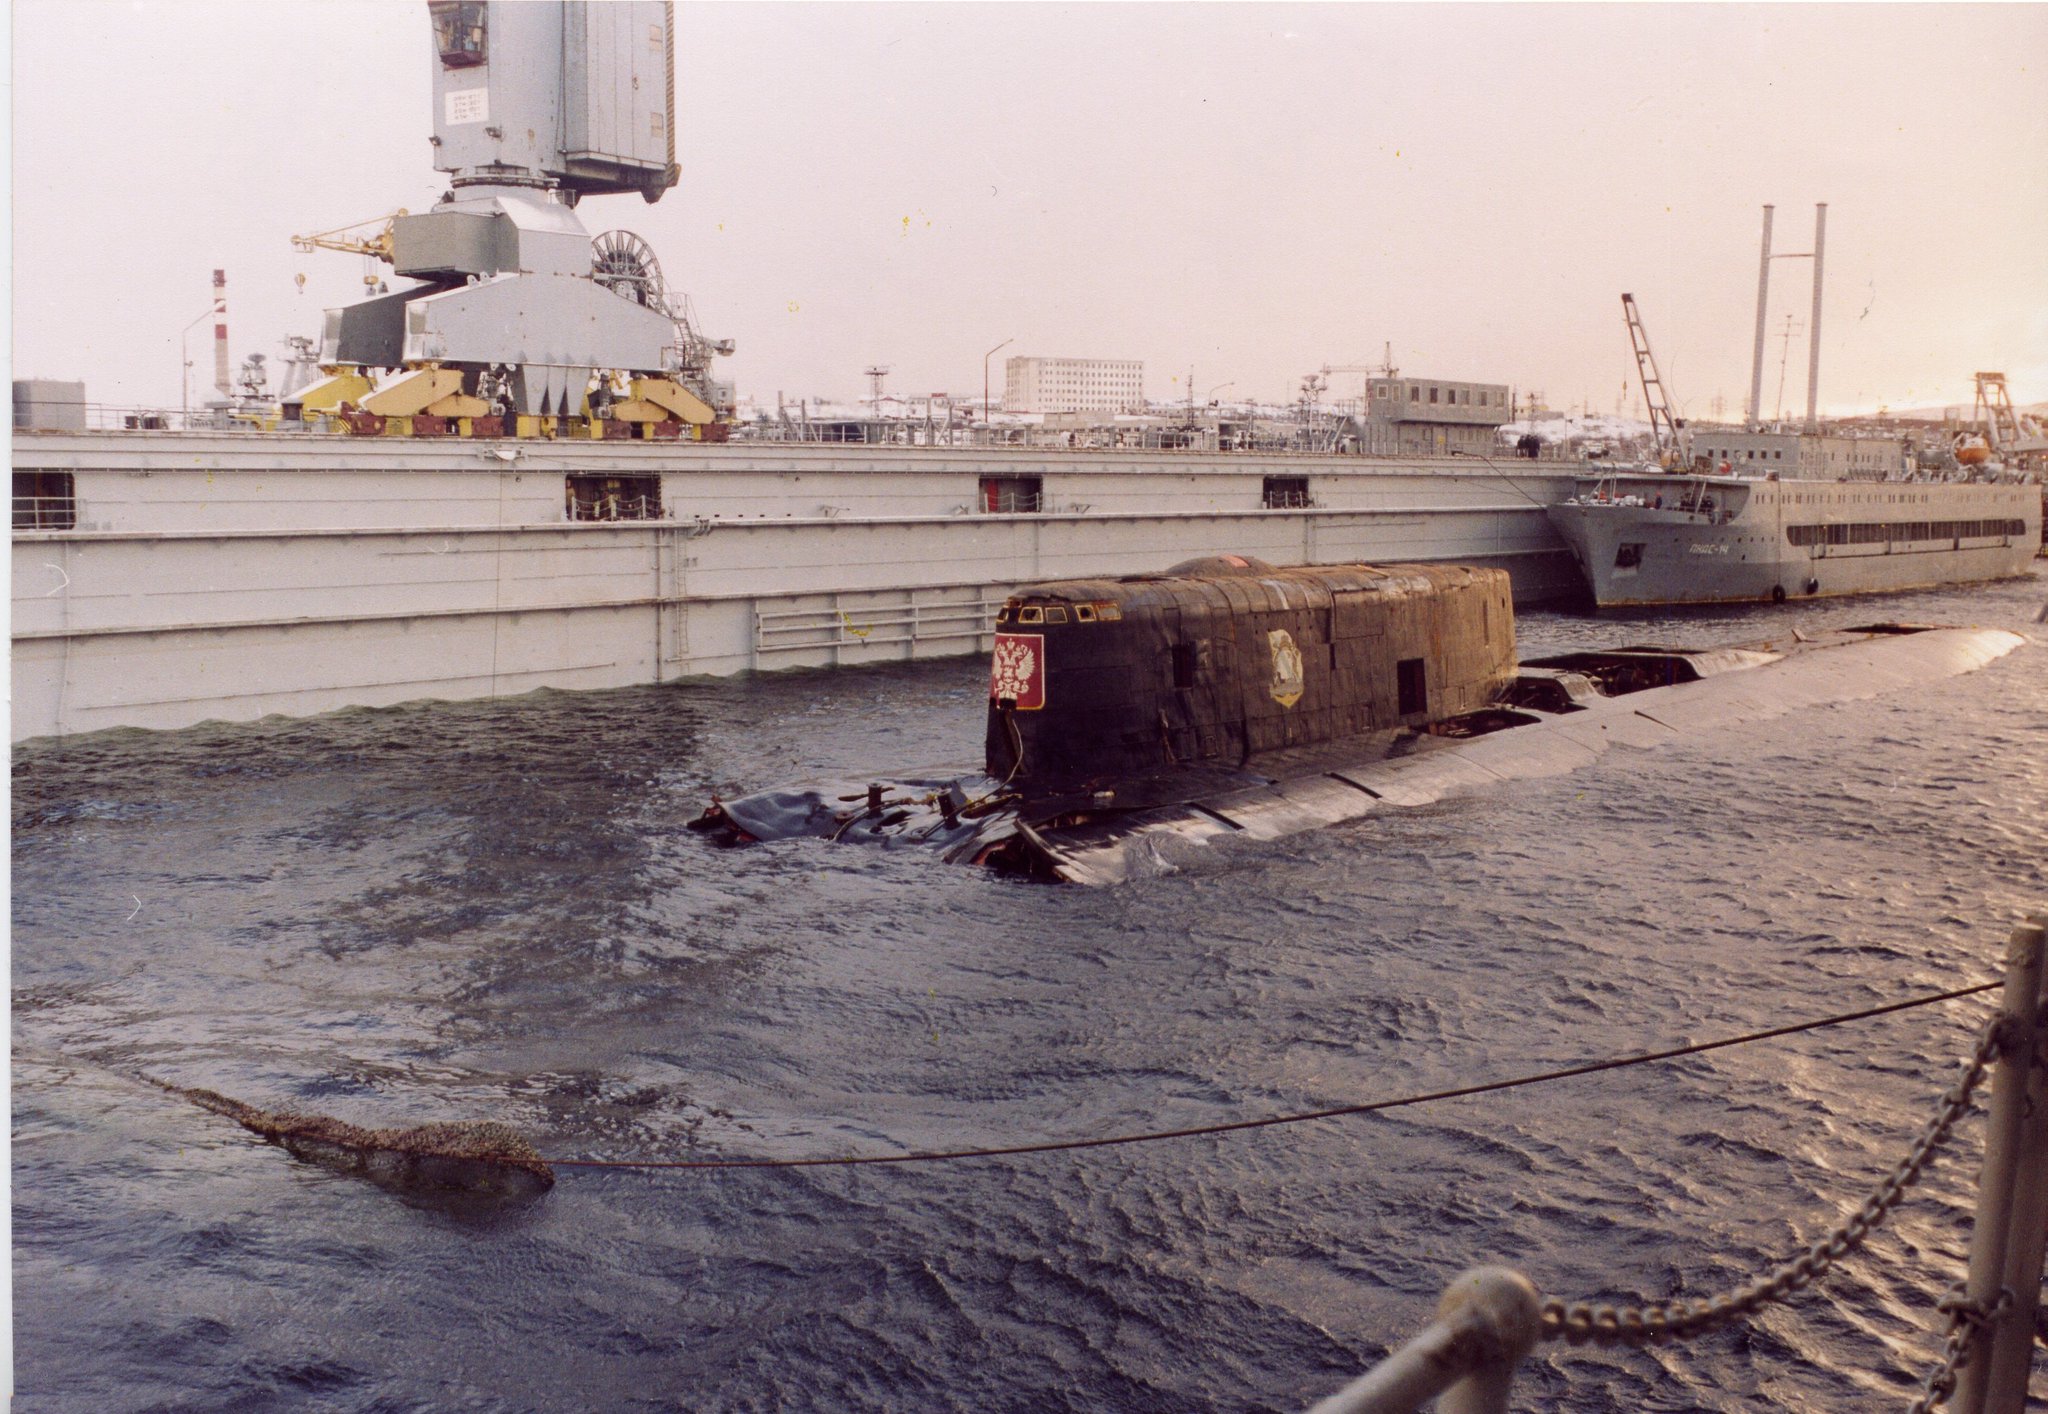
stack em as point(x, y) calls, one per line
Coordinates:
point(1052, 1146)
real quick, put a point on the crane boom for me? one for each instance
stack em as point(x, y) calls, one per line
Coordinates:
point(377, 244)
point(1663, 427)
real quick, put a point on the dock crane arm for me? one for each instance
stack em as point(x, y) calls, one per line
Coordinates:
point(1663, 426)
point(377, 243)
point(1383, 369)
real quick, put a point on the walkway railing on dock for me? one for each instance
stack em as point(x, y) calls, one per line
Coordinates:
point(1490, 1318)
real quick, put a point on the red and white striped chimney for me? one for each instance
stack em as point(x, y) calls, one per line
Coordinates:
point(220, 334)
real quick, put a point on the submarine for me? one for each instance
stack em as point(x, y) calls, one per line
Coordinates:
point(1131, 720)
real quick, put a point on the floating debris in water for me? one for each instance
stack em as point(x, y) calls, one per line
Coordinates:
point(477, 1156)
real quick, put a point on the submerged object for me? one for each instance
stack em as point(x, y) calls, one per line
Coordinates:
point(474, 1156)
point(1226, 699)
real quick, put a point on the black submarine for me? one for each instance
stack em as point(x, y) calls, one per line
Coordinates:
point(1225, 698)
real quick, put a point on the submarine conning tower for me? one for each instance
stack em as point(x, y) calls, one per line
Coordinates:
point(1218, 660)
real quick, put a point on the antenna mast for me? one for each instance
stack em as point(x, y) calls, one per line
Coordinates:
point(1763, 293)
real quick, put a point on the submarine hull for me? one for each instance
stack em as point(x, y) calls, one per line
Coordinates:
point(1130, 719)
point(1220, 661)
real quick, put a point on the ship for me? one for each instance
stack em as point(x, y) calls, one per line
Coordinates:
point(1131, 720)
point(1766, 514)
point(1653, 538)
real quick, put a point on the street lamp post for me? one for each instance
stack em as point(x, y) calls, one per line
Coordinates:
point(185, 363)
point(984, 374)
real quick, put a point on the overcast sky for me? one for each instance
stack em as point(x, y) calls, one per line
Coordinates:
point(1247, 191)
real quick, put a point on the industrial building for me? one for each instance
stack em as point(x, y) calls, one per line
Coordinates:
point(1073, 385)
point(1432, 416)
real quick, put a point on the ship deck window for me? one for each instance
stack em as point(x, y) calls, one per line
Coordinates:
point(1287, 493)
point(45, 500)
point(1900, 532)
point(614, 497)
point(1411, 679)
point(1012, 495)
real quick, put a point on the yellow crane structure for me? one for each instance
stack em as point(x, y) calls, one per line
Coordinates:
point(341, 238)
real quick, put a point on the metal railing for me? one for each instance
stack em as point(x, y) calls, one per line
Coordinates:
point(45, 512)
point(616, 508)
point(1490, 1318)
point(1487, 1321)
point(1289, 500)
point(904, 626)
point(46, 415)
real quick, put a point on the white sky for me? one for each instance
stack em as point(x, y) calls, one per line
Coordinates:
point(1249, 190)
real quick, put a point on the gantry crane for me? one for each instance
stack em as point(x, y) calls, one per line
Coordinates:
point(2001, 423)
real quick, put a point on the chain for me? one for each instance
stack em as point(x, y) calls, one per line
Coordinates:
point(1581, 1322)
point(1965, 1319)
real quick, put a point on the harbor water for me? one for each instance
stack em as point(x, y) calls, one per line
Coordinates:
point(492, 911)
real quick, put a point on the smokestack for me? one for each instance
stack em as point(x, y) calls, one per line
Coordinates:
point(1820, 231)
point(1763, 301)
point(220, 334)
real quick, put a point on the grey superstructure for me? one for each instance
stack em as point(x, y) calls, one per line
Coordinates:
point(1662, 539)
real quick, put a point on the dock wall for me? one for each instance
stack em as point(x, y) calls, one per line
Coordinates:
point(233, 577)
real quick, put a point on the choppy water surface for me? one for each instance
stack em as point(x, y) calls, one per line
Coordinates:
point(491, 910)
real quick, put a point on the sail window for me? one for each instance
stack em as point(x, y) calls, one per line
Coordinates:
point(1411, 680)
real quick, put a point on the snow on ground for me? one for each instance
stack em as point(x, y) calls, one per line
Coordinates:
point(1585, 427)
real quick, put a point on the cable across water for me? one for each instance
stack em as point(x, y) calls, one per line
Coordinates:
point(1051, 1146)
